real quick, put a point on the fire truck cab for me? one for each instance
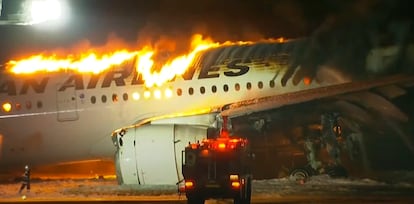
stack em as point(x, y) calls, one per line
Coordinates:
point(217, 168)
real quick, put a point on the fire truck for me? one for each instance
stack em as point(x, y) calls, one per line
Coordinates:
point(217, 168)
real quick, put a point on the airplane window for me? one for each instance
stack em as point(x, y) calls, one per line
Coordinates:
point(249, 85)
point(202, 90)
point(168, 93)
point(226, 87)
point(272, 84)
point(28, 104)
point(125, 96)
point(136, 96)
point(147, 94)
point(179, 92)
point(7, 107)
point(18, 106)
point(39, 104)
point(157, 94)
point(260, 84)
point(114, 98)
point(237, 86)
point(93, 99)
point(190, 91)
point(214, 89)
point(103, 98)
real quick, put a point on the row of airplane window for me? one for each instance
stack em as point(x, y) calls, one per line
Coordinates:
point(7, 106)
point(157, 94)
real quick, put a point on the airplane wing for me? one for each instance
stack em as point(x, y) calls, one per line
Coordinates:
point(267, 103)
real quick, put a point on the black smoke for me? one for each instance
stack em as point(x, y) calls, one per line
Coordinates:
point(340, 31)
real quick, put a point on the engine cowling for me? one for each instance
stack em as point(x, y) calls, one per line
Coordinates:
point(151, 154)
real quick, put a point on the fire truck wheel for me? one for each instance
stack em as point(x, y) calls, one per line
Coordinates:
point(248, 190)
point(194, 199)
point(245, 195)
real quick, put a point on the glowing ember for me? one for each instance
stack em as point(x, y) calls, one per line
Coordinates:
point(92, 63)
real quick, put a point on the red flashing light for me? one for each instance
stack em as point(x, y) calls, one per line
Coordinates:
point(189, 184)
point(307, 80)
point(204, 152)
point(193, 146)
point(235, 184)
point(220, 143)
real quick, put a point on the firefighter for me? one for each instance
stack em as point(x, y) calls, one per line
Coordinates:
point(25, 179)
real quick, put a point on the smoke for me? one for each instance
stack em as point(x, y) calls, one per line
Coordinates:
point(349, 31)
point(340, 33)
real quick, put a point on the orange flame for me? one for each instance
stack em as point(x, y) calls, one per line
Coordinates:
point(87, 63)
point(172, 68)
point(91, 63)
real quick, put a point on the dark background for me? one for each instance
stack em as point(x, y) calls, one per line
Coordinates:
point(341, 23)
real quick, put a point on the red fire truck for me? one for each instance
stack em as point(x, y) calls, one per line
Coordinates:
point(217, 168)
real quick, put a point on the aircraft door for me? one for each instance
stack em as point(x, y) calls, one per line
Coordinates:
point(184, 134)
point(66, 104)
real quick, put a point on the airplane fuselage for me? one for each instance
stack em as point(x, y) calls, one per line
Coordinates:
point(68, 116)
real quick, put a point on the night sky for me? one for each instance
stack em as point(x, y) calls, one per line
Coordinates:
point(356, 22)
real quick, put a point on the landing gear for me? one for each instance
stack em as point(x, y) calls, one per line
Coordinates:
point(302, 173)
point(329, 139)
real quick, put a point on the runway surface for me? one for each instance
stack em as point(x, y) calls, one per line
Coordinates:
point(319, 189)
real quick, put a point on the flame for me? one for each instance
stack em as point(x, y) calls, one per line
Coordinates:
point(87, 63)
point(172, 68)
point(91, 62)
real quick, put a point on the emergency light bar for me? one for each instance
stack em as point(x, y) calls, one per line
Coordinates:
point(220, 144)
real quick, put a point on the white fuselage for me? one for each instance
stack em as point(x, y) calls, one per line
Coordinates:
point(64, 116)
